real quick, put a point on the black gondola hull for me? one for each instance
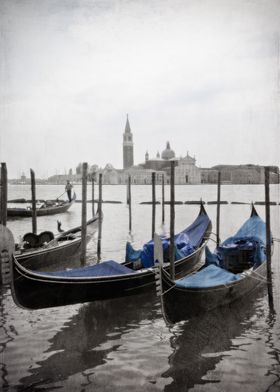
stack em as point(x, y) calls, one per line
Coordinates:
point(52, 210)
point(34, 291)
point(182, 303)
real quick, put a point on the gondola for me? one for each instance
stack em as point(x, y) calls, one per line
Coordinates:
point(108, 279)
point(236, 268)
point(48, 208)
point(57, 249)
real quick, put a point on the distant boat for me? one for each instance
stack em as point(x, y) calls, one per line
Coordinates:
point(108, 279)
point(47, 208)
point(237, 267)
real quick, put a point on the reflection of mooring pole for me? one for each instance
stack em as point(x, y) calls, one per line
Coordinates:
point(92, 195)
point(99, 220)
point(268, 237)
point(153, 203)
point(172, 221)
point(4, 194)
point(33, 197)
point(218, 208)
point(162, 199)
point(84, 214)
point(129, 202)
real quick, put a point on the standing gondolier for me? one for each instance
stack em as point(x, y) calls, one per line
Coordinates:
point(68, 188)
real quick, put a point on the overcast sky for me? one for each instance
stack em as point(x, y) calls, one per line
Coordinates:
point(202, 74)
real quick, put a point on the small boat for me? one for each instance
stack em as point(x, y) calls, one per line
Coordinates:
point(237, 267)
point(51, 251)
point(49, 207)
point(108, 279)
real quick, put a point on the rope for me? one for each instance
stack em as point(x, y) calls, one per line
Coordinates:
point(170, 288)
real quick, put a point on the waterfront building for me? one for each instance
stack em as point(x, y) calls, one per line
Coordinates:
point(208, 175)
point(186, 171)
point(238, 174)
point(160, 162)
point(110, 175)
point(141, 176)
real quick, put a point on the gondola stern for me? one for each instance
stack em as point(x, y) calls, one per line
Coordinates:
point(253, 210)
point(202, 210)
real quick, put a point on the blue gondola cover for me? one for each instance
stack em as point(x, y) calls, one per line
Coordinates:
point(249, 241)
point(210, 276)
point(106, 268)
point(185, 243)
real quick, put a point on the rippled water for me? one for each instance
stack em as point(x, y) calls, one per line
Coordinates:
point(124, 344)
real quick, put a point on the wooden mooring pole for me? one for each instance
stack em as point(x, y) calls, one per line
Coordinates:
point(84, 214)
point(162, 200)
point(4, 194)
point(99, 220)
point(129, 203)
point(268, 236)
point(7, 248)
point(218, 208)
point(153, 203)
point(92, 195)
point(172, 221)
point(33, 197)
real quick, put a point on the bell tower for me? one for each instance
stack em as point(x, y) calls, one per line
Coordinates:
point(128, 160)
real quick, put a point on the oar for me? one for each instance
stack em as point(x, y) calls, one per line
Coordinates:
point(60, 195)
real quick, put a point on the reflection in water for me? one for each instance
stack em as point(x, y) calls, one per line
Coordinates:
point(201, 342)
point(87, 339)
point(6, 337)
point(272, 341)
point(121, 342)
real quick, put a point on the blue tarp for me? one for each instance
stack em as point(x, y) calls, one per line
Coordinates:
point(185, 243)
point(210, 276)
point(106, 268)
point(253, 227)
point(251, 238)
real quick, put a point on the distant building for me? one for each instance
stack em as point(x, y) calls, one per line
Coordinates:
point(128, 158)
point(110, 175)
point(140, 175)
point(208, 176)
point(23, 178)
point(186, 171)
point(238, 174)
point(159, 162)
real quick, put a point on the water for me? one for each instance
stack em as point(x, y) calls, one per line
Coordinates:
point(124, 344)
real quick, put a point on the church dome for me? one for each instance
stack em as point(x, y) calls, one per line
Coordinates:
point(167, 153)
point(109, 167)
